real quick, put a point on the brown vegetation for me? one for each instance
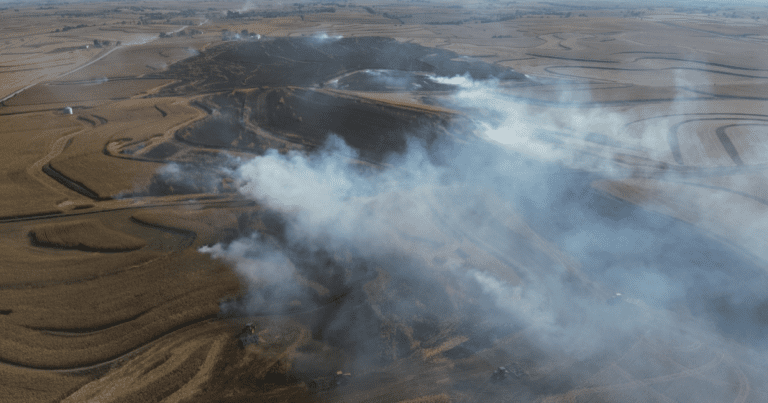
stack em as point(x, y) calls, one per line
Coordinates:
point(87, 235)
point(144, 321)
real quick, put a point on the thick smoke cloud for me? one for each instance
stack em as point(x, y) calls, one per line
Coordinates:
point(461, 217)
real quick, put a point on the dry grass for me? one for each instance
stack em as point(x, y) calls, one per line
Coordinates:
point(210, 224)
point(89, 235)
point(26, 266)
point(112, 315)
point(63, 308)
point(173, 368)
point(85, 92)
point(135, 61)
point(27, 138)
point(26, 385)
point(86, 162)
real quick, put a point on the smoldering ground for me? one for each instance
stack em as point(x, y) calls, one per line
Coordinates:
point(464, 240)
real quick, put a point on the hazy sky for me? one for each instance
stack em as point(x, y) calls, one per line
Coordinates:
point(729, 3)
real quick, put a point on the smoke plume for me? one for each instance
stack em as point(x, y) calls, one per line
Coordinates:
point(500, 233)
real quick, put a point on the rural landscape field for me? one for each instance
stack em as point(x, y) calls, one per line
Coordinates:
point(407, 201)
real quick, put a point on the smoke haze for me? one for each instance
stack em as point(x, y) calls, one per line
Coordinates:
point(471, 232)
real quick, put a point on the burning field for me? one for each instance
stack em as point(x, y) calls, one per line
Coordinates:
point(383, 203)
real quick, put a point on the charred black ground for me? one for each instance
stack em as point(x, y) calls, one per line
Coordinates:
point(285, 118)
point(292, 93)
point(312, 61)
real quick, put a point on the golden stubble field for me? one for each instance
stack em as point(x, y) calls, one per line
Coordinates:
point(105, 295)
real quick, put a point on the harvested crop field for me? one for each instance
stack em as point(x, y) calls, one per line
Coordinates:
point(84, 235)
point(422, 202)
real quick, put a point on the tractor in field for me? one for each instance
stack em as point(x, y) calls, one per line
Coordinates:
point(502, 373)
point(248, 335)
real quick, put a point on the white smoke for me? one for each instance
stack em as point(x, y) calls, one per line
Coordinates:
point(416, 219)
point(248, 6)
point(261, 264)
point(330, 200)
point(411, 211)
point(523, 128)
point(323, 37)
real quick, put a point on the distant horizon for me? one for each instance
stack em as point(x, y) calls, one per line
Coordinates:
point(651, 3)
